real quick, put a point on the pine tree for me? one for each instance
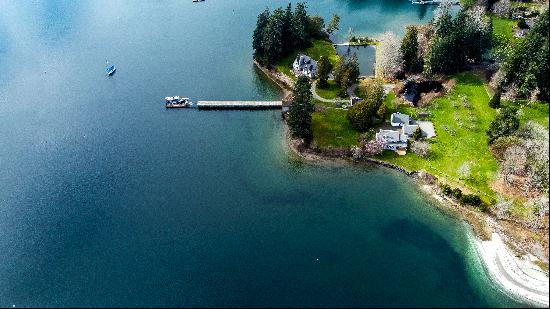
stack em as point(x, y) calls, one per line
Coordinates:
point(495, 100)
point(300, 20)
point(299, 116)
point(324, 67)
point(288, 30)
point(258, 36)
point(409, 50)
point(273, 37)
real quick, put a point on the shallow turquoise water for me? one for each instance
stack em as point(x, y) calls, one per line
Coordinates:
point(108, 199)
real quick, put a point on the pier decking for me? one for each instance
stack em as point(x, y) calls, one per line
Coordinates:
point(240, 104)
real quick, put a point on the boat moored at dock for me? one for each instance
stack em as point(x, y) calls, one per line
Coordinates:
point(177, 102)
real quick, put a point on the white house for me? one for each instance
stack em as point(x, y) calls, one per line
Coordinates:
point(304, 65)
point(392, 140)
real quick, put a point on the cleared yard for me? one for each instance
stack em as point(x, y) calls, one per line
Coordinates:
point(460, 125)
point(318, 48)
point(332, 129)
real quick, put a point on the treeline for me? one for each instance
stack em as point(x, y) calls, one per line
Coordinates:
point(525, 71)
point(449, 43)
point(280, 32)
point(444, 46)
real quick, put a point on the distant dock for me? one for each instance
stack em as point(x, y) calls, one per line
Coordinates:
point(240, 104)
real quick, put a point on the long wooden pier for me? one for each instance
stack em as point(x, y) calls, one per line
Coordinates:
point(240, 104)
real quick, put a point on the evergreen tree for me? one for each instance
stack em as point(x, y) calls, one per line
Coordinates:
point(346, 73)
point(301, 26)
point(258, 36)
point(316, 27)
point(299, 116)
point(495, 100)
point(288, 30)
point(456, 41)
point(353, 68)
point(324, 67)
point(362, 114)
point(409, 49)
point(527, 66)
point(273, 37)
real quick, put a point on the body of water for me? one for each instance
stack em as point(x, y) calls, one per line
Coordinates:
point(108, 199)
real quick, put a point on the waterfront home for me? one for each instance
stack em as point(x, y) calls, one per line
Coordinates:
point(396, 139)
point(393, 140)
point(304, 65)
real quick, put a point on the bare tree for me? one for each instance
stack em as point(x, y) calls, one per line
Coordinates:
point(503, 8)
point(421, 148)
point(501, 208)
point(390, 57)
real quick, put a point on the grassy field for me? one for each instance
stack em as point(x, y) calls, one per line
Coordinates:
point(331, 92)
point(536, 112)
point(460, 137)
point(332, 129)
point(503, 27)
point(319, 48)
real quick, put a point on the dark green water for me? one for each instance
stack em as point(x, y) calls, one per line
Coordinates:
point(108, 199)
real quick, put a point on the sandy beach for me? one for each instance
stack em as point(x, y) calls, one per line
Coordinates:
point(517, 275)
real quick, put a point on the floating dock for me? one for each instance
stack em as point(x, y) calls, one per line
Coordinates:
point(240, 104)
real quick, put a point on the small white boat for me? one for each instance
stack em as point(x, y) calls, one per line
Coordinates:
point(110, 70)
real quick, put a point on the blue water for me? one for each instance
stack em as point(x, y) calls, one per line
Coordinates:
point(108, 199)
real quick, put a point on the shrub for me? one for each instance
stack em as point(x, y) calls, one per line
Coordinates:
point(447, 190)
point(471, 199)
point(457, 193)
point(522, 23)
point(417, 134)
point(504, 124)
point(495, 100)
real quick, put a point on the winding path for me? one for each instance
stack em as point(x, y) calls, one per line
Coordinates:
point(317, 97)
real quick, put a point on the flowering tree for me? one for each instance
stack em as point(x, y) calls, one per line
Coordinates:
point(501, 208)
point(390, 57)
point(464, 171)
point(503, 8)
point(421, 148)
point(373, 147)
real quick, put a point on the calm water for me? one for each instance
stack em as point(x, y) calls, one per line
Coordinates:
point(366, 57)
point(108, 199)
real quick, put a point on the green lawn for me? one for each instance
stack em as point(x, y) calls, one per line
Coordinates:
point(319, 48)
point(460, 137)
point(331, 92)
point(503, 27)
point(536, 112)
point(331, 128)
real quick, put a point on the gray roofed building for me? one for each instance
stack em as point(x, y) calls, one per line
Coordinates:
point(398, 119)
point(392, 139)
point(409, 129)
point(304, 65)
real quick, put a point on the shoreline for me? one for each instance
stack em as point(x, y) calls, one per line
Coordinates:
point(520, 278)
point(517, 276)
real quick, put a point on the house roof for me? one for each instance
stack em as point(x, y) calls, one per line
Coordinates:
point(398, 118)
point(409, 128)
point(392, 136)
